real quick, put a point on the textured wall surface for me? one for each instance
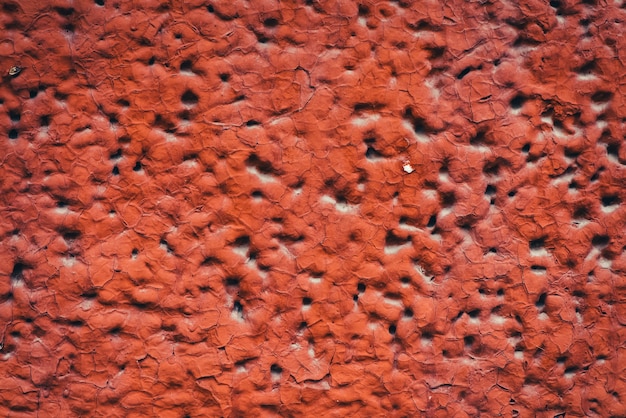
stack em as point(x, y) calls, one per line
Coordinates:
point(312, 208)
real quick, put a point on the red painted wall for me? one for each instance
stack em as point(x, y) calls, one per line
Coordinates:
point(312, 208)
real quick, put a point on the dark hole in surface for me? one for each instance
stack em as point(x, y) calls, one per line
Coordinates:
point(602, 96)
point(165, 244)
point(537, 244)
point(189, 98)
point(276, 369)
point(64, 11)
point(600, 241)
point(418, 123)
point(306, 301)
point(232, 281)
point(474, 313)
point(493, 167)
point(610, 200)
point(13, 134)
point(392, 239)
point(210, 8)
point(448, 199)
point(478, 139)
point(152, 60)
point(464, 72)
point(137, 166)
point(115, 171)
point(14, 115)
point(371, 153)
point(392, 329)
point(71, 235)
point(270, 22)
point(408, 313)
point(365, 106)
point(99, 2)
point(117, 154)
point(264, 167)
point(517, 102)
point(60, 96)
point(360, 287)
point(541, 302)
point(243, 240)
point(237, 307)
point(613, 150)
point(224, 77)
point(18, 271)
point(589, 67)
point(252, 122)
point(33, 93)
point(432, 221)
point(581, 212)
point(10, 7)
point(186, 66)
point(468, 340)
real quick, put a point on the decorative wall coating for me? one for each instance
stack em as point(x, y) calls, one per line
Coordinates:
point(312, 208)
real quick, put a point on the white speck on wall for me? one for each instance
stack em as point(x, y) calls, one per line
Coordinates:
point(408, 168)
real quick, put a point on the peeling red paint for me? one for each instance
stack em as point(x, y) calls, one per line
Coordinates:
point(320, 208)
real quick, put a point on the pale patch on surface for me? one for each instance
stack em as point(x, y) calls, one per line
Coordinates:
point(62, 211)
point(340, 206)
point(393, 302)
point(394, 249)
point(365, 119)
point(68, 261)
point(265, 178)
point(420, 137)
point(497, 319)
point(539, 252)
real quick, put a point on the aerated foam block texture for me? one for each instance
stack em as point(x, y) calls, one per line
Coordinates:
point(312, 208)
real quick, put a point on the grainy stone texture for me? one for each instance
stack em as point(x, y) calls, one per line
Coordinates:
point(312, 208)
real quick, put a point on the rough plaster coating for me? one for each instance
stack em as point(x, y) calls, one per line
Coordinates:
point(312, 208)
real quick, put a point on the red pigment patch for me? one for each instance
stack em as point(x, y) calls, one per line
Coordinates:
point(312, 208)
